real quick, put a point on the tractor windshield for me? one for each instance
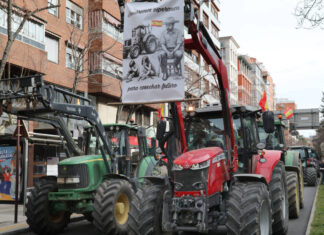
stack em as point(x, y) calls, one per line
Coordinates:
point(202, 132)
point(271, 140)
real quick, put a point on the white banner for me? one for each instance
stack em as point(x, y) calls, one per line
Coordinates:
point(153, 64)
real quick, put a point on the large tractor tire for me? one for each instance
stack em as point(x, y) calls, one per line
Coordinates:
point(151, 210)
point(310, 176)
point(279, 199)
point(151, 44)
point(115, 208)
point(40, 215)
point(135, 51)
point(248, 209)
point(293, 194)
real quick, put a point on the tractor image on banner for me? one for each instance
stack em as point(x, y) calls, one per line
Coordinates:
point(153, 65)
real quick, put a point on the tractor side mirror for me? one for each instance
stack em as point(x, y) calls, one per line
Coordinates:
point(160, 130)
point(268, 121)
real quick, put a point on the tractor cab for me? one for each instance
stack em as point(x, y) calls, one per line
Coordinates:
point(129, 144)
point(245, 131)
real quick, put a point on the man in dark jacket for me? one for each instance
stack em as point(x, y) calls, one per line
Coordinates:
point(322, 170)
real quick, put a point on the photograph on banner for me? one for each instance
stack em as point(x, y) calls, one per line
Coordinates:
point(7, 173)
point(153, 53)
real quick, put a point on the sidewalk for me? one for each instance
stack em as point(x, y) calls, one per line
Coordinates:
point(7, 217)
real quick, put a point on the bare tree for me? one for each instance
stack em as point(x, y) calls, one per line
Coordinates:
point(24, 14)
point(81, 45)
point(310, 13)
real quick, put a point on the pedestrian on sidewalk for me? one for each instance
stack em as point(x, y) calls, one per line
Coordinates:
point(322, 170)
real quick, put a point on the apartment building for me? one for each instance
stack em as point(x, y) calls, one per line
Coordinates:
point(200, 80)
point(270, 89)
point(244, 81)
point(258, 85)
point(229, 49)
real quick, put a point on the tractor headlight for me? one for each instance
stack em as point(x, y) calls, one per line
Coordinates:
point(177, 167)
point(74, 180)
point(60, 180)
point(201, 165)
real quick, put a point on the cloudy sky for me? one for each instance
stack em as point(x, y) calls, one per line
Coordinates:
point(267, 30)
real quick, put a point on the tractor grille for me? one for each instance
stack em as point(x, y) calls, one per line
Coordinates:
point(188, 178)
point(71, 171)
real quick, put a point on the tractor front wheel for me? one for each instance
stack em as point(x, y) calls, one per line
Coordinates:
point(151, 211)
point(115, 208)
point(135, 51)
point(41, 216)
point(293, 194)
point(151, 44)
point(279, 199)
point(248, 209)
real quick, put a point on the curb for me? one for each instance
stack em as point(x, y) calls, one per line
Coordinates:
point(311, 217)
point(24, 228)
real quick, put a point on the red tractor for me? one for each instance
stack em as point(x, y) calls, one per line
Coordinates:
point(210, 181)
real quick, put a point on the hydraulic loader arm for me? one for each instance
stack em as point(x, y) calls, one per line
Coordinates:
point(31, 99)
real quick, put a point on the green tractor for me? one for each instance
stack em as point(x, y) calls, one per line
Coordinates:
point(98, 177)
point(310, 161)
point(293, 165)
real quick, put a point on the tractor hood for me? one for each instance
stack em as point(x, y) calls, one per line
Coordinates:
point(187, 159)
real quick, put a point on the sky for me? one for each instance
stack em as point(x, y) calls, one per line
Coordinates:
point(294, 56)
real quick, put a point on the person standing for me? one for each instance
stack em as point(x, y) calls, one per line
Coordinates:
point(322, 170)
point(171, 42)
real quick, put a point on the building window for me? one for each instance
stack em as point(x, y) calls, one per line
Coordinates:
point(111, 30)
point(206, 86)
point(205, 20)
point(72, 57)
point(214, 30)
point(33, 33)
point(52, 48)
point(54, 10)
point(214, 11)
point(74, 14)
point(111, 68)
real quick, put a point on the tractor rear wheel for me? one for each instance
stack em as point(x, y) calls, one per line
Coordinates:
point(40, 215)
point(115, 208)
point(248, 209)
point(151, 210)
point(151, 44)
point(293, 194)
point(310, 176)
point(279, 199)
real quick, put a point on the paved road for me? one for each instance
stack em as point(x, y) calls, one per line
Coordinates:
point(299, 226)
point(296, 226)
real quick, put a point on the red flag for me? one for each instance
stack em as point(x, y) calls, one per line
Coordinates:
point(288, 113)
point(263, 103)
point(160, 112)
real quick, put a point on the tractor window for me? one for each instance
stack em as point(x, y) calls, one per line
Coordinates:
point(205, 132)
point(238, 132)
point(93, 142)
point(117, 136)
point(270, 140)
point(251, 133)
